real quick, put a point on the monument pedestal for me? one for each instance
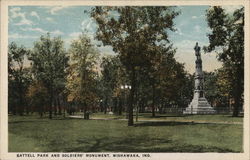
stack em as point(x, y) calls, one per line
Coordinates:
point(199, 106)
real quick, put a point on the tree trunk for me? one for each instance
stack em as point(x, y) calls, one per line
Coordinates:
point(21, 99)
point(142, 106)
point(120, 107)
point(153, 104)
point(41, 111)
point(105, 105)
point(59, 106)
point(115, 109)
point(14, 109)
point(27, 109)
point(64, 108)
point(55, 106)
point(101, 106)
point(51, 104)
point(238, 92)
point(21, 105)
point(86, 113)
point(131, 99)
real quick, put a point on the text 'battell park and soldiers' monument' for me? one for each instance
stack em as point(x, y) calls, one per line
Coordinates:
point(199, 104)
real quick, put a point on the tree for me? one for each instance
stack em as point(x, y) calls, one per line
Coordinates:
point(19, 78)
point(37, 95)
point(83, 74)
point(131, 31)
point(166, 77)
point(224, 86)
point(211, 86)
point(113, 77)
point(227, 38)
point(49, 61)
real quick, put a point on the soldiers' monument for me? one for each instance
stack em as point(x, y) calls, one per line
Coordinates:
point(199, 104)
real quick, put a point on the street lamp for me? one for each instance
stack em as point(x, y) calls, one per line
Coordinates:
point(125, 87)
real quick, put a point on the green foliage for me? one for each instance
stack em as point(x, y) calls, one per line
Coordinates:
point(49, 61)
point(135, 34)
point(224, 86)
point(113, 77)
point(19, 78)
point(211, 87)
point(83, 74)
point(131, 31)
point(227, 39)
point(110, 66)
point(37, 95)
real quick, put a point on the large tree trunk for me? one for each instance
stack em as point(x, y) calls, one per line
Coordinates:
point(86, 113)
point(51, 104)
point(131, 99)
point(153, 104)
point(238, 90)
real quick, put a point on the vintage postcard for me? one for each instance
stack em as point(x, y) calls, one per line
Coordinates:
point(135, 80)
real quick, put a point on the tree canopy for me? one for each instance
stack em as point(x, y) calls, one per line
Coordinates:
point(49, 61)
point(227, 39)
point(134, 32)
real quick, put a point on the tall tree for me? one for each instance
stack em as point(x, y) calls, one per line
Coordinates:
point(49, 61)
point(227, 38)
point(83, 74)
point(131, 31)
point(19, 78)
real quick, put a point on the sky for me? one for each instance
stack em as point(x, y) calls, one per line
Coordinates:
point(28, 23)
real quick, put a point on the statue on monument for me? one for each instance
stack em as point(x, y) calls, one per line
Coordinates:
point(197, 51)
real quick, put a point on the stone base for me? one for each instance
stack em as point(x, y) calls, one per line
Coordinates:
point(199, 106)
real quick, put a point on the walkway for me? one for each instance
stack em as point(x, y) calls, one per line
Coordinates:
point(152, 120)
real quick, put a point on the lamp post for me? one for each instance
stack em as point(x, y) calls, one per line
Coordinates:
point(124, 88)
point(100, 104)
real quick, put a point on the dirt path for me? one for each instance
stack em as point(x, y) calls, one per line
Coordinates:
point(152, 120)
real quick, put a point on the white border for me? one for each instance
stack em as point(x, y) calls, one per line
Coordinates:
point(188, 156)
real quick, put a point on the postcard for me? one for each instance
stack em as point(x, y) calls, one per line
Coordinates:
point(124, 80)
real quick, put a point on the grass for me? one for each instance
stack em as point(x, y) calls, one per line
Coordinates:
point(34, 134)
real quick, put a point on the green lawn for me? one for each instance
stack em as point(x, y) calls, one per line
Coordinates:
point(34, 134)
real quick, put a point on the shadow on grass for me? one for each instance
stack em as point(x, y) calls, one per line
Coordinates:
point(163, 116)
point(140, 144)
point(29, 121)
point(168, 123)
point(42, 119)
point(240, 116)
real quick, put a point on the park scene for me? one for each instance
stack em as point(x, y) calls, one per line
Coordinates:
point(126, 79)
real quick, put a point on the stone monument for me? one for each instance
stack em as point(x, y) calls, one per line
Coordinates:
point(199, 104)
